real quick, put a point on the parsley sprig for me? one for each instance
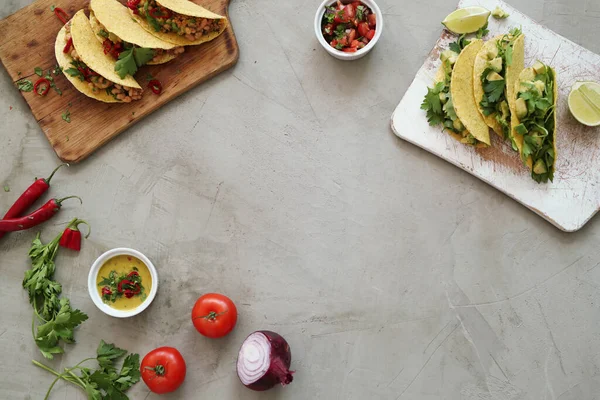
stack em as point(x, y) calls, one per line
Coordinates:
point(58, 319)
point(105, 382)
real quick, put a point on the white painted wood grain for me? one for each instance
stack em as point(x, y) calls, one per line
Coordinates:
point(574, 197)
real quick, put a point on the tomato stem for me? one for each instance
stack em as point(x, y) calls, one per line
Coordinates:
point(158, 369)
point(211, 316)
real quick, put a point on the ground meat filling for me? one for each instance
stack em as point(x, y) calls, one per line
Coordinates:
point(165, 20)
point(95, 81)
point(116, 45)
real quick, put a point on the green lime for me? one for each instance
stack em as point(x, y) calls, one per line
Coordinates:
point(584, 103)
point(467, 20)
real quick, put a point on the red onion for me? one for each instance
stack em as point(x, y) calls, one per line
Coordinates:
point(264, 361)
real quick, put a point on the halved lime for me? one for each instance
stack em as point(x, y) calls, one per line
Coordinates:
point(584, 103)
point(467, 20)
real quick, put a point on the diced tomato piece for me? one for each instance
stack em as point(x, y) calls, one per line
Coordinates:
point(349, 12)
point(372, 19)
point(371, 34)
point(356, 4)
point(334, 43)
point(351, 36)
point(363, 28)
point(349, 50)
point(328, 29)
point(355, 43)
point(343, 41)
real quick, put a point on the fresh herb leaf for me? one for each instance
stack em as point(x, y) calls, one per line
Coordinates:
point(433, 105)
point(494, 90)
point(52, 7)
point(360, 12)
point(25, 85)
point(482, 31)
point(142, 55)
point(6, 188)
point(103, 33)
point(130, 60)
point(66, 116)
point(339, 46)
point(38, 71)
point(460, 44)
point(152, 21)
point(149, 77)
point(340, 31)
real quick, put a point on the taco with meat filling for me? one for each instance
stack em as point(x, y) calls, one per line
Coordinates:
point(180, 22)
point(84, 63)
point(497, 68)
point(534, 122)
point(118, 33)
point(450, 102)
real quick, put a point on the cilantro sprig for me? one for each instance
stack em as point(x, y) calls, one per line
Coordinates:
point(108, 381)
point(131, 59)
point(58, 319)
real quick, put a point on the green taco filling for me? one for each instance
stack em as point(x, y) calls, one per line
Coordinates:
point(438, 100)
point(493, 79)
point(535, 108)
point(162, 19)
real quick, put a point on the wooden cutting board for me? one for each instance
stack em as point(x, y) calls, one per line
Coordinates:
point(27, 41)
point(574, 197)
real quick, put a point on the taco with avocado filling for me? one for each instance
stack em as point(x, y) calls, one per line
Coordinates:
point(180, 22)
point(88, 68)
point(497, 67)
point(450, 101)
point(119, 34)
point(534, 122)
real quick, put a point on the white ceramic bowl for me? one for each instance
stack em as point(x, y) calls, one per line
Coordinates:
point(338, 53)
point(93, 288)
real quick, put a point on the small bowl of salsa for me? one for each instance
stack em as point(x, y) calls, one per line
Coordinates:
point(122, 282)
point(348, 30)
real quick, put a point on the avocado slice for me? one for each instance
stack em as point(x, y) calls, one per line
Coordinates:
point(504, 109)
point(494, 76)
point(443, 98)
point(528, 74)
point(449, 55)
point(495, 64)
point(539, 68)
point(492, 53)
point(540, 167)
point(540, 86)
point(499, 13)
point(458, 125)
point(521, 108)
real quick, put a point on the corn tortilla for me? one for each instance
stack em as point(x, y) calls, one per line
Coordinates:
point(461, 89)
point(64, 61)
point(91, 52)
point(190, 9)
point(481, 61)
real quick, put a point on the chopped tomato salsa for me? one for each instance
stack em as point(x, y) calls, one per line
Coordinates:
point(349, 27)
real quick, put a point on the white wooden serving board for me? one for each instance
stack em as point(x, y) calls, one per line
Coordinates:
point(574, 196)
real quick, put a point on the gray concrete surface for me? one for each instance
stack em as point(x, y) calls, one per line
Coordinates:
point(392, 274)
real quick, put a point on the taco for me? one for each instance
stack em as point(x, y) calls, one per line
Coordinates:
point(534, 121)
point(118, 32)
point(85, 65)
point(450, 102)
point(497, 67)
point(180, 22)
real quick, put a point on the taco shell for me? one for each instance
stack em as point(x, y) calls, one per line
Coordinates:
point(91, 52)
point(190, 9)
point(513, 71)
point(64, 61)
point(461, 89)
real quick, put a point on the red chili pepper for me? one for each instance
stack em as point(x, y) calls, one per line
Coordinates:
point(132, 4)
point(71, 238)
point(61, 14)
point(42, 214)
point(160, 13)
point(129, 294)
point(155, 86)
point(116, 50)
point(106, 291)
point(68, 46)
point(133, 273)
point(123, 282)
point(136, 289)
point(45, 83)
point(29, 196)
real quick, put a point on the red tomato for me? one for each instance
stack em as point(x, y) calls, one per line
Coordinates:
point(356, 4)
point(350, 50)
point(343, 41)
point(349, 13)
point(355, 44)
point(351, 35)
point(371, 34)
point(214, 315)
point(372, 19)
point(363, 28)
point(334, 43)
point(163, 370)
point(328, 29)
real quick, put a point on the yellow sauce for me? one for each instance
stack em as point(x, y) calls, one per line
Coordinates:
point(124, 265)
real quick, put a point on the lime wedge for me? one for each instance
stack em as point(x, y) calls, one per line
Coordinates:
point(584, 103)
point(466, 20)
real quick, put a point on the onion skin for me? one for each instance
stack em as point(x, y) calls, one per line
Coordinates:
point(281, 359)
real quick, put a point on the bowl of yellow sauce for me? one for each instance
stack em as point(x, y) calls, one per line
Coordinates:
point(122, 282)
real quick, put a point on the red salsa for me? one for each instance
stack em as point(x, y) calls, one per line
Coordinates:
point(348, 27)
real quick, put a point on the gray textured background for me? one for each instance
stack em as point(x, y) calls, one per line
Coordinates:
point(392, 274)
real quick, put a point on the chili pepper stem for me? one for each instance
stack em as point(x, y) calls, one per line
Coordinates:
point(59, 201)
point(54, 172)
point(74, 225)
